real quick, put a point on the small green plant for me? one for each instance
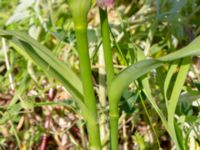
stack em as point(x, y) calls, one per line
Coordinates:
point(82, 89)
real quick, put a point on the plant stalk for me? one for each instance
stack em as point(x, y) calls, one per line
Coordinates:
point(89, 97)
point(114, 118)
point(114, 113)
point(105, 33)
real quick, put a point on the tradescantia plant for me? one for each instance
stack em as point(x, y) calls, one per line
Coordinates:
point(82, 88)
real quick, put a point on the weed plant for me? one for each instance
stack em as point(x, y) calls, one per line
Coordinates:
point(155, 46)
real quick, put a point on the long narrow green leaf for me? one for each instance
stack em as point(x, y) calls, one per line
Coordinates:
point(55, 68)
point(43, 57)
point(193, 49)
point(170, 73)
point(123, 79)
point(180, 79)
point(147, 91)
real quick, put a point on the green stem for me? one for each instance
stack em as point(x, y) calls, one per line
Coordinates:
point(85, 69)
point(114, 118)
point(105, 32)
point(79, 9)
point(114, 114)
point(89, 97)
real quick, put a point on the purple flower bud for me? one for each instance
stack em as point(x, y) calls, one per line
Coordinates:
point(105, 3)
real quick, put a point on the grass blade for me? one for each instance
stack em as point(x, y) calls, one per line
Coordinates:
point(123, 79)
point(43, 57)
point(180, 79)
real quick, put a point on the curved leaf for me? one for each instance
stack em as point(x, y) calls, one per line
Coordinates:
point(123, 79)
point(44, 58)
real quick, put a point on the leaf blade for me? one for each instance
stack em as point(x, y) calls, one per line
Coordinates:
point(123, 79)
point(43, 57)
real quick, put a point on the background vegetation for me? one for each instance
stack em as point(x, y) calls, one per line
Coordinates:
point(37, 112)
